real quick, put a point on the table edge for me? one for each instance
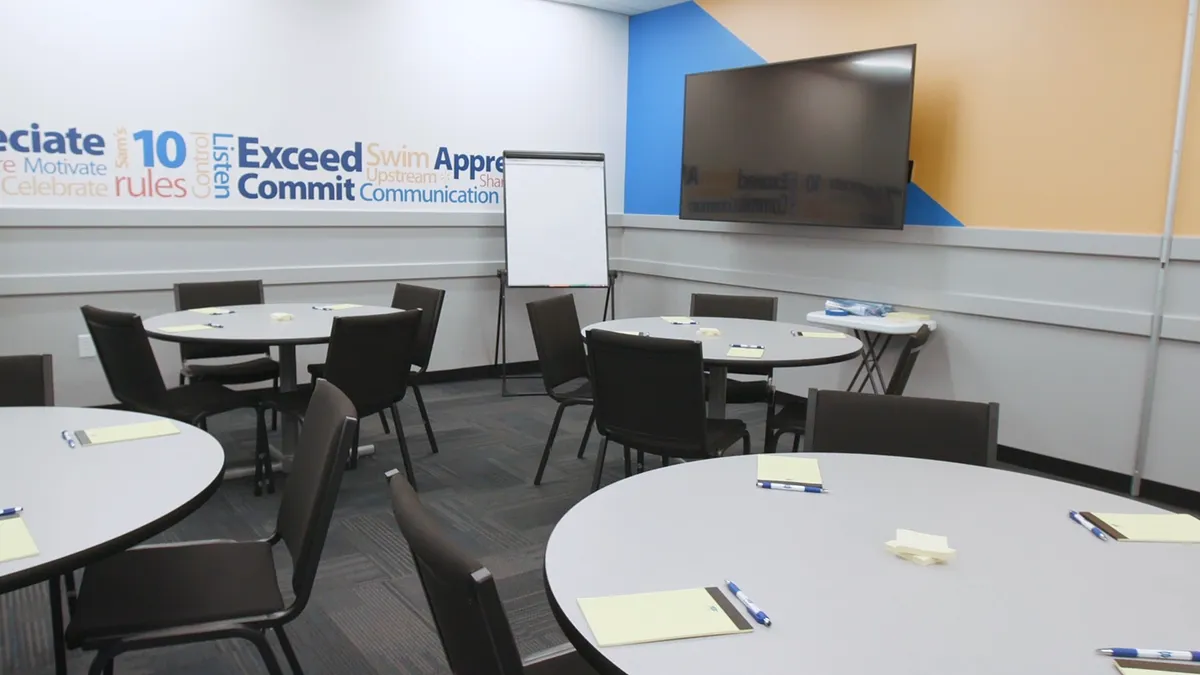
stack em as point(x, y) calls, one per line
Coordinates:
point(590, 652)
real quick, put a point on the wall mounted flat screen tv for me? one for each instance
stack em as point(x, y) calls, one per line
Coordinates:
point(821, 141)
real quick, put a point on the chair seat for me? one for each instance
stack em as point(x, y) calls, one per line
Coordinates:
point(564, 663)
point(158, 587)
point(721, 434)
point(575, 390)
point(193, 401)
point(793, 415)
point(240, 372)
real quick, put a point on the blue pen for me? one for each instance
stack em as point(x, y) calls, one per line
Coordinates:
point(1168, 654)
point(756, 613)
point(216, 325)
point(10, 511)
point(66, 436)
point(1084, 522)
point(768, 485)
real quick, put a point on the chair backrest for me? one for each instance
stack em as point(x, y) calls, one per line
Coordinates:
point(463, 600)
point(330, 426)
point(908, 359)
point(904, 426)
point(429, 301)
point(760, 307)
point(649, 391)
point(125, 355)
point(370, 357)
point(27, 380)
point(217, 294)
point(557, 339)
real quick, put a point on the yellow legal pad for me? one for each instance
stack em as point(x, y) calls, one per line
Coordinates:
point(790, 470)
point(126, 432)
point(1163, 528)
point(745, 352)
point(186, 329)
point(657, 617)
point(212, 311)
point(816, 334)
point(679, 320)
point(15, 540)
point(1131, 667)
point(344, 305)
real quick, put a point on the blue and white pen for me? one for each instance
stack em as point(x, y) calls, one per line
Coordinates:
point(1168, 654)
point(10, 511)
point(756, 613)
point(216, 325)
point(1084, 522)
point(66, 436)
point(737, 346)
point(768, 485)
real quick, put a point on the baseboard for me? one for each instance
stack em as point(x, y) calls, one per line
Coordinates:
point(1171, 495)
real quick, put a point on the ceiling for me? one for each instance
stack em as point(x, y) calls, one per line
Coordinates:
point(625, 6)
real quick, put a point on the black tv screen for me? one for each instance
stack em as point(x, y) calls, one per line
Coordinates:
point(821, 141)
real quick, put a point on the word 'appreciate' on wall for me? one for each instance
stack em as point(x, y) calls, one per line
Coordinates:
point(219, 168)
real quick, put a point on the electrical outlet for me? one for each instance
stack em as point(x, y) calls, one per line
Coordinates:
point(87, 350)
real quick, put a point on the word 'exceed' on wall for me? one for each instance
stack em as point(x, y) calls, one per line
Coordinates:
point(65, 166)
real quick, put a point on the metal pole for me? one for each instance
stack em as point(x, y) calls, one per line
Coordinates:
point(1164, 256)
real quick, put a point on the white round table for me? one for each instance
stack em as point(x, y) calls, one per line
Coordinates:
point(253, 325)
point(1029, 592)
point(83, 503)
point(781, 344)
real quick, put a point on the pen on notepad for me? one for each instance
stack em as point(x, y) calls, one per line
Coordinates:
point(1075, 516)
point(737, 346)
point(66, 436)
point(768, 485)
point(10, 511)
point(755, 613)
point(1168, 654)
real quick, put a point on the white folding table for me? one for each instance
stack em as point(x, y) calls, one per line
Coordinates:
point(875, 333)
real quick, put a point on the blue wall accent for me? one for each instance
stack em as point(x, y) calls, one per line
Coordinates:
point(664, 47)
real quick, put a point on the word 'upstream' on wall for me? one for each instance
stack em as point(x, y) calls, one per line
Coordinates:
point(69, 165)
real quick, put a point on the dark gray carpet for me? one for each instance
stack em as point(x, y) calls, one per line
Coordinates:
point(368, 614)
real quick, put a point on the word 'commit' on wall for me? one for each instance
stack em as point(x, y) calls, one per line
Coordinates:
point(68, 164)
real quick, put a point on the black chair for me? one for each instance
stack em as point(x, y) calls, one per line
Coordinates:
point(759, 307)
point(429, 301)
point(155, 596)
point(563, 362)
point(135, 381)
point(370, 359)
point(791, 418)
point(903, 426)
point(27, 380)
point(649, 397)
point(199, 295)
point(463, 600)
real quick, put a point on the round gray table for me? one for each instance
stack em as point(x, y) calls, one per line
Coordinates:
point(83, 503)
point(1029, 592)
point(253, 325)
point(781, 347)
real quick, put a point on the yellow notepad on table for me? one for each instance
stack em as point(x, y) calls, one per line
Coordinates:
point(343, 305)
point(1131, 667)
point(745, 352)
point(127, 432)
point(633, 332)
point(820, 334)
point(186, 329)
point(679, 320)
point(212, 311)
point(789, 470)
point(658, 617)
point(15, 540)
point(1163, 528)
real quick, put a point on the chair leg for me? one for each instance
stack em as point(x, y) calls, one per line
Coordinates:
point(666, 461)
point(628, 463)
point(352, 460)
point(288, 652)
point(425, 417)
point(599, 464)
point(587, 432)
point(795, 442)
point(262, 455)
point(641, 461)
point(102, 664)
point(264, 650)
point(274, 412)
point(69, 582)
point(773, 440)
point(383, 421)
point(537, 478)
point(745, 442)
point(408, 465)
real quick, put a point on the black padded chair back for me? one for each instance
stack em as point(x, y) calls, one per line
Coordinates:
point(760, 307)
point(330, 426)
point(557, 339)
point(429, 301)
point(125, 355)
point(649, 391)
point(370, 357)
point(218, 294)
point(463, 600)
point(908, 359)
point(27, 380)
point(904, 426)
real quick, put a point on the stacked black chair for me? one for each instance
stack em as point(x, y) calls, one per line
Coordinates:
point(155, 596)
point(650, 397)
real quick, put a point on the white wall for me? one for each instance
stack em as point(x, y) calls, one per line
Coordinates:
point(475, 76)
